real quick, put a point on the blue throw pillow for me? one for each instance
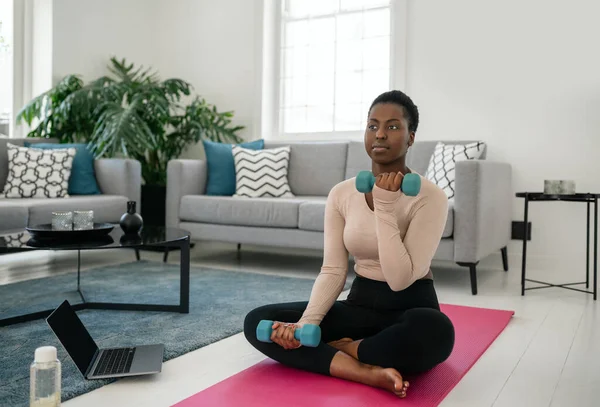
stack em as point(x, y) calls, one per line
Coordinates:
point(83, 176)
point(221, 167)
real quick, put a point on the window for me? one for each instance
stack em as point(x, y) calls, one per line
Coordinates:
point(6, 66)
point(334, 59)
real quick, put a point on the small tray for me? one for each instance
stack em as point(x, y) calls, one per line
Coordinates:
point(45, 232)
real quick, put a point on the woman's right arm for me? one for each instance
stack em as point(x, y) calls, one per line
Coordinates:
point(331, 279)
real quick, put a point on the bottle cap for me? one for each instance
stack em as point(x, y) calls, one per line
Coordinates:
point(45, 354)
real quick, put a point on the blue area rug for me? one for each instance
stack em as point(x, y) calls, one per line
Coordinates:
point(219, 301)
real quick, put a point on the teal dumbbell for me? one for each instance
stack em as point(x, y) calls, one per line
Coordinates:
point(411, 183)
point(308, 335)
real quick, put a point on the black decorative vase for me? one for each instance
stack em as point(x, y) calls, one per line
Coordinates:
point(131, 222)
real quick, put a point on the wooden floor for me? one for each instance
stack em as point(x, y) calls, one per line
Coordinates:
point(548, 355)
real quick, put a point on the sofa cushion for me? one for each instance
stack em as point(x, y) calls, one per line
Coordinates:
point(311, 215)
point(442, 164)
point(262, 173)
point(220, 166)
point(420, 152)
point(36, 173)
point(315, 167)
point(271, 212)
point(12, 214)
point(83, 175)
point(4, 153)
point(107, 208)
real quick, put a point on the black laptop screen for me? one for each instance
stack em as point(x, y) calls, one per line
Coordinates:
point(70, 331)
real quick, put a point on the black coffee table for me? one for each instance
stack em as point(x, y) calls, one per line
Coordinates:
point(14, 241)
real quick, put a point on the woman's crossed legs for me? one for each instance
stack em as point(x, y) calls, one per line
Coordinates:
point(385, 345)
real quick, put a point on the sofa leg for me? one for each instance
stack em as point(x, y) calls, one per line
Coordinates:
point(473, 271)
point(504, 258)
point(137, 254)
point(239, 251)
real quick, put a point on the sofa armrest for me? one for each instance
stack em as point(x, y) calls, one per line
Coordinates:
point(184, 177)
point(120, 176)
point(482, 209)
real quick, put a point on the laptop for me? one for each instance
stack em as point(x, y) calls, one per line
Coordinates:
point(96, 363)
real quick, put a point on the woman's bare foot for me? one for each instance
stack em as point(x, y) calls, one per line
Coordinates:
point(389, 379)
point(346, 367)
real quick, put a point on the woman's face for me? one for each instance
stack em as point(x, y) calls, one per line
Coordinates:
point(387, 137)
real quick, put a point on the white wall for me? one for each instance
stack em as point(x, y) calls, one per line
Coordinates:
point(87, 33)
point(41, 52)
point(524, 76)
point(212, 44)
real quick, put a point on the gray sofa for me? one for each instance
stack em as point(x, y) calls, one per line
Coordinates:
point(479, 217)
point(119, 180)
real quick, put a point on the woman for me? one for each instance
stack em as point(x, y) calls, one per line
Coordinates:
point(391, 324)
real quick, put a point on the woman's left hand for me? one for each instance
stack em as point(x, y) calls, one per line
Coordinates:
point(283, 335)
point(389, 181)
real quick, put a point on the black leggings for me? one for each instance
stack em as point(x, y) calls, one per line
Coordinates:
point(405, 329)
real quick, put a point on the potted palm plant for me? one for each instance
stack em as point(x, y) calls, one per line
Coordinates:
point(130, 113)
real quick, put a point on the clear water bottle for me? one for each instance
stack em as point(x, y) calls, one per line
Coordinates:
point(45, 378)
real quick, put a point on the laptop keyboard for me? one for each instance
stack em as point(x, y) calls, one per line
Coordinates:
point(115, 361)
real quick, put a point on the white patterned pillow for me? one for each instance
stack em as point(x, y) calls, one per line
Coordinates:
point(37, 173)
point(262, 173)
point(442, 163)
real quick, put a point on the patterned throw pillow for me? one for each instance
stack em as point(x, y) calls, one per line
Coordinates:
point(442, 164)
point(37, 173)
point(221, 168)
point(262, 173)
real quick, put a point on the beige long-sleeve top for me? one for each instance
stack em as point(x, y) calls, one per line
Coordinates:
point(394, 243)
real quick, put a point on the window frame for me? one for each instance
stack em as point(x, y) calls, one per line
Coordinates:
point(32, 57)
point(270, 126)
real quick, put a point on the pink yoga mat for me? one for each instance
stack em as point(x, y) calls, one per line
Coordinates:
point(269, 383)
